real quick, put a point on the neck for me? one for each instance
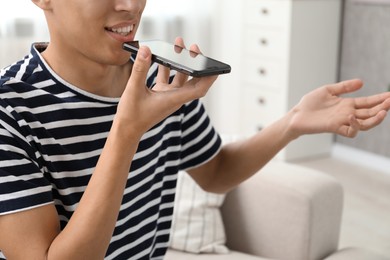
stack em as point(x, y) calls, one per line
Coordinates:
point(93, 77)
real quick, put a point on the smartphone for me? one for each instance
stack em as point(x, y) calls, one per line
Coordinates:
point(180, 59)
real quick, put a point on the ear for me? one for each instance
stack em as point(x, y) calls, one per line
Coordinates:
point(43, 4)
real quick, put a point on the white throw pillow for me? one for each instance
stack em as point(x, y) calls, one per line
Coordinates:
point(197, 225)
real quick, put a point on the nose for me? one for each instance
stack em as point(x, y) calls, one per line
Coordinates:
point(133, 6)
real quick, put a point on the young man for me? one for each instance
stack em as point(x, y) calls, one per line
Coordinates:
point(89, 155)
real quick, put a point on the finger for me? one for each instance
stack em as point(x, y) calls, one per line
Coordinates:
point(193, 89)
point(350, 128)
point(200, 86)
point(180, 79)
point(180, 42)
point(140, 67)
point(354, 127)
point(345, 87)
point(163, 74)
point(370, 112)
point(368, 102)
point(194, 50)
point(372, 121)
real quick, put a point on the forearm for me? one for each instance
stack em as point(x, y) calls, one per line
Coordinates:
point(88, 233)
point(246, 157)
point(237, 161)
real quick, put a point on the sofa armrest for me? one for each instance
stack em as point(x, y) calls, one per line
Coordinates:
point(285, 212)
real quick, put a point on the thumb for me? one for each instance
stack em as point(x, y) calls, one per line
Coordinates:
point(344, 87)
point(141, 67)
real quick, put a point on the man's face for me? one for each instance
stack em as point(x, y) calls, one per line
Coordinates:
point(95, 29)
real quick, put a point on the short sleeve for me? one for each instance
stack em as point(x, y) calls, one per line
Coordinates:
point(200, 140)
point(22, 182)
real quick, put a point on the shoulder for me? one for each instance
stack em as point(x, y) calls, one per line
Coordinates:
point(18, 80)
point(24, 71)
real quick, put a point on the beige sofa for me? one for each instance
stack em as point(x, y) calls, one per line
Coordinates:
point(284, 212)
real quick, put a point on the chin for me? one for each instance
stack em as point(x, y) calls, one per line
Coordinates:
point(121, 58)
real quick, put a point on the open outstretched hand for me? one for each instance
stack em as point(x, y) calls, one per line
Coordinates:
point(323, 110)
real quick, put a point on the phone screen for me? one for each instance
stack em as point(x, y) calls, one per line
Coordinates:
point(180, 59)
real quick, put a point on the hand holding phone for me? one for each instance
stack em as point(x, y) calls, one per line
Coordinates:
point(140, 108)
point(180, 59)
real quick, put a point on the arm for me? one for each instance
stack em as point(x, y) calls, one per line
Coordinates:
point(35, 234)
point(320, 111)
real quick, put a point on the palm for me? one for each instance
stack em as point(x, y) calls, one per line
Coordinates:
point(323, 110)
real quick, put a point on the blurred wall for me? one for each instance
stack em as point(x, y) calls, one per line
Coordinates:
point(19, 27)
point(365, 54)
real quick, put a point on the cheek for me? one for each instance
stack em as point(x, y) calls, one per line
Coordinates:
point(84, 32)
point(85, 20)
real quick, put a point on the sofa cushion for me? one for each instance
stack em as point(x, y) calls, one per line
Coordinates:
point(232, 255)
point(355, 254)
point(197, 225)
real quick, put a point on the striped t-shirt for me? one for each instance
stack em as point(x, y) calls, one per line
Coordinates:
point(51, 136)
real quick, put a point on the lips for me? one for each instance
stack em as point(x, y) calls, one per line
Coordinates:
point(123, 30)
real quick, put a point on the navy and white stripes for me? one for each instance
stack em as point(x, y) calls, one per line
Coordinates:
point(51, 136)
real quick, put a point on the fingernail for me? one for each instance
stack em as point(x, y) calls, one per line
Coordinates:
point(143, 52)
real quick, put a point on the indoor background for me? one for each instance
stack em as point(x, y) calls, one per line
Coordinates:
point(359, 39)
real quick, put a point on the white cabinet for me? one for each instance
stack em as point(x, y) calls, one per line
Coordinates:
point(288, 48)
